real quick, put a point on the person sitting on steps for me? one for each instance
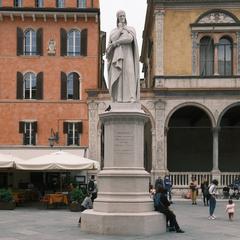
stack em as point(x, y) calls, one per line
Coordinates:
point(161, 204)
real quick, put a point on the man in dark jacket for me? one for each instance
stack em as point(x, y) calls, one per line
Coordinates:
point(162, 204)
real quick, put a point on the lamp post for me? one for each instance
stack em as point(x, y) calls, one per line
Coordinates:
point(54, 137)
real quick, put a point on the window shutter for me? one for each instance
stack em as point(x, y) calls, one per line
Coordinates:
point(79, 127)
point(63, 43)
point(84, 34)
point(21, 127)
point(40, 42)
point(65, 127)
point(19, 85)
point(19, 41)
point(75, 86)
point(36, 3)
point(34, 127)
point(63, 86)
point(39, 85)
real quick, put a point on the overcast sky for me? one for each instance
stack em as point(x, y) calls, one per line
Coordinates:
point(135, 14)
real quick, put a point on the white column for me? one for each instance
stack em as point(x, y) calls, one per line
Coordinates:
point(215, 148)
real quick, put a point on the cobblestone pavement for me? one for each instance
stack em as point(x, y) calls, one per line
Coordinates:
point(31, 223)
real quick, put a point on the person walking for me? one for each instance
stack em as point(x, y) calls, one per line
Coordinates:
point(205, 194)
point(212, 201)
point(162, 204)
point(230, 209)
point(194, 188)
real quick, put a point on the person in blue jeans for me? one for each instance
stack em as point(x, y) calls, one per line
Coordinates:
point(212, 201)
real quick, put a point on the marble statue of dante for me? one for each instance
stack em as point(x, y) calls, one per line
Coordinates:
point(123, 62)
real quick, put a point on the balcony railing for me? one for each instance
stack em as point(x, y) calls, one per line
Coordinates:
point(183, 179)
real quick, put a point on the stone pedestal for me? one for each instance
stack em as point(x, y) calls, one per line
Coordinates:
point(123, 205)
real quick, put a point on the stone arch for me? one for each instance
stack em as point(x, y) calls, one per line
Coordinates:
point(225, 110)
point(229, 140)
point(189, 138)
point(149, 115)
point(149, 128)
point(204, 108)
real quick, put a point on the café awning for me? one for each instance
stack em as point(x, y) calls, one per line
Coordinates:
point(7, 160)
point(59, 160)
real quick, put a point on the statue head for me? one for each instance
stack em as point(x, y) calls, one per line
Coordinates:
point(121, 17)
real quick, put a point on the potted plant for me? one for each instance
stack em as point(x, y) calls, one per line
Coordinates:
point(6, 200)
point(76, 198)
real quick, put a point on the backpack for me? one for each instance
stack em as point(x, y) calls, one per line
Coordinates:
point(90, 185)
point(159, 183)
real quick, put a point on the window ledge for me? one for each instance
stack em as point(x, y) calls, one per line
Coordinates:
point(78, 56)
point(29, 56)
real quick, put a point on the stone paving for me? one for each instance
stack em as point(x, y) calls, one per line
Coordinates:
point(31, 223)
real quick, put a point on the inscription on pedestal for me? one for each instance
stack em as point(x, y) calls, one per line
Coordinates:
point(123, 144)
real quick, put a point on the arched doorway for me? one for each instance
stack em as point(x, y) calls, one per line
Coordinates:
point(229, 140)
point(189, 141)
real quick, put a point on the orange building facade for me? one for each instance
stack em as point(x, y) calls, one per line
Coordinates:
point(49, 56)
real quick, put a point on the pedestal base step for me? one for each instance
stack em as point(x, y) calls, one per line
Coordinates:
point(141, 224)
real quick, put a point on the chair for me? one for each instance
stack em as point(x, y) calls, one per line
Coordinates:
point(45, 200)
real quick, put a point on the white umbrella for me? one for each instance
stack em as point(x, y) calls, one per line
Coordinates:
point(7, 160)
point(60, 160)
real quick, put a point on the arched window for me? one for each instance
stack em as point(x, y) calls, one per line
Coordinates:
point(73, 86)
point(73, 43)
point(30, 42)
point(206, 56)
point(225, 56)
point(29, 86)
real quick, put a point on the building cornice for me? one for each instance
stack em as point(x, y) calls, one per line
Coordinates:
point(50, 13)
point(194, 2)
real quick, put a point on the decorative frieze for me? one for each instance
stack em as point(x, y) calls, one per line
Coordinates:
point(93, 123)
point(217, 17)
point(160, 138)
point(238, 53)
point(194, 53)
point(159, 41)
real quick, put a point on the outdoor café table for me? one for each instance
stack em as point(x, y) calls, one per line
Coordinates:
point(58, 198)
